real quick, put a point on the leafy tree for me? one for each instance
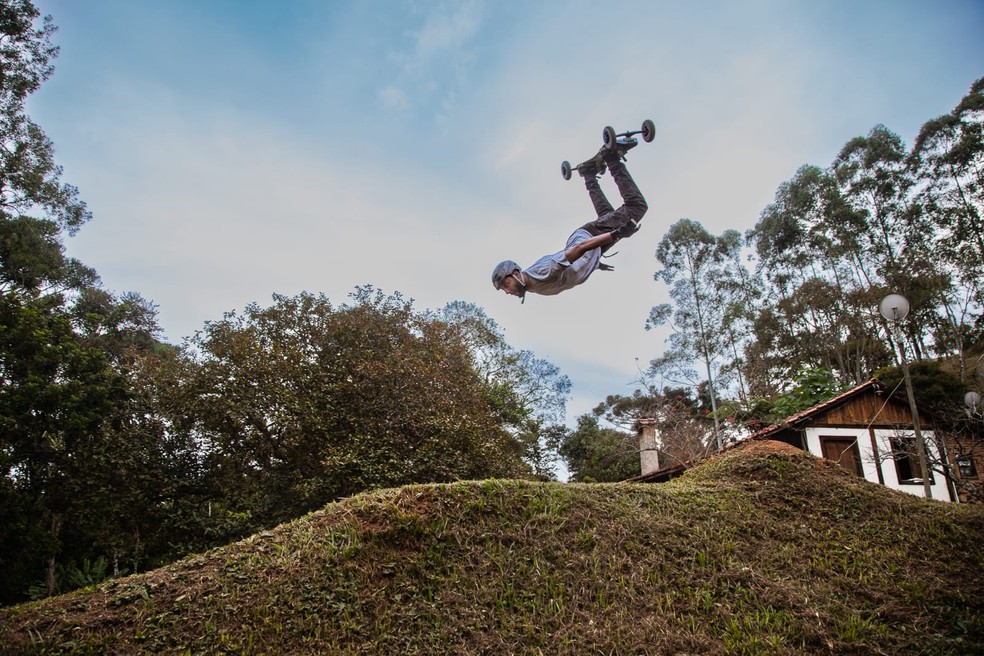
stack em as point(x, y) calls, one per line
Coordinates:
point(948, 157)
point(741, 291)
point(956, 429)
point(65, 349)
point(527, 393)
point(303, 402)
point(948, 161)
point(599, 455)
point(810, 387)
point(819, 303)
point(54, 398)
point(29, 178)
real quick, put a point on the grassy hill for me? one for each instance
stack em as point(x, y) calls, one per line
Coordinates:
point(765, 550)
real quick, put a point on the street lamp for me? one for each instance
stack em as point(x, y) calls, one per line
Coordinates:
point(973, 402)
point(894, 308)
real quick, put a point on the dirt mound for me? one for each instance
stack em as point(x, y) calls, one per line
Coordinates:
point(767, 447)
point(762, 549)
point(792, 470)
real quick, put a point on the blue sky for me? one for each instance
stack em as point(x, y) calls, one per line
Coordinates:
point(230, 150)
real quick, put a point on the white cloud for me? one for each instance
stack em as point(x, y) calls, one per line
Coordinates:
point(394, 98)
point(207, 200)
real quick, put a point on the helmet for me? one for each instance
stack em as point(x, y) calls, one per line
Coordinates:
point(502, 271)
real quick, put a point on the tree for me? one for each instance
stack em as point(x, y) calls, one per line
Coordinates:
point(527, 393)
point(303, 402)
point(810, 387)
point(54, 398)
point(599, 455)
point(683, 426)
point(948, 157)
point(29, 178)
point(948, 160)
point(72, 474)
point(819, 286)
point(956, 430)
point(703, 285)
point(54, 390)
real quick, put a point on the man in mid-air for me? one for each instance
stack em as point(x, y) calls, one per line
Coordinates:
point(560, 271)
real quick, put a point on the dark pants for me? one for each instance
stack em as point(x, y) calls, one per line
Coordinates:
point(633, 204)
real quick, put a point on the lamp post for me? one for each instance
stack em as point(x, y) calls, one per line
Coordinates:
point(894, 308)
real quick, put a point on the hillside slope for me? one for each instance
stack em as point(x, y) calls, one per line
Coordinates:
point(762, 550)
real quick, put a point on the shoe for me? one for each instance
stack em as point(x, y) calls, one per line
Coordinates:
point(593, 170)
point(617, 153)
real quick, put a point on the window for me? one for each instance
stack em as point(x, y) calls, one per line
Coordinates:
point(907, 461)
point(966, 466)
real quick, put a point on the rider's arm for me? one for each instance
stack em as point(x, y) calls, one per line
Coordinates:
point(575, 252)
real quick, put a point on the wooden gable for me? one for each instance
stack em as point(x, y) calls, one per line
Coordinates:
point(868, 408)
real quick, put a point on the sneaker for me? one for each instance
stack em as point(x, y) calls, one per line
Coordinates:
point(593, 170)
point(617, 153)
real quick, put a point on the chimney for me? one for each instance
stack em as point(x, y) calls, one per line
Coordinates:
point(648, 453)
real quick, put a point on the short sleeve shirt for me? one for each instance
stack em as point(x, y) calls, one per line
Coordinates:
point(552, 274)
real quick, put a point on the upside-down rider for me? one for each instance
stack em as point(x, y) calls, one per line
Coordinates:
point(560, 271)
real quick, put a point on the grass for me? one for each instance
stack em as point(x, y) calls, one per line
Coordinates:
point(761, 551)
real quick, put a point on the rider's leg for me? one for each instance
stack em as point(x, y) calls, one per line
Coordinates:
point(598, 199)
point(633, 203)
point(632, 210)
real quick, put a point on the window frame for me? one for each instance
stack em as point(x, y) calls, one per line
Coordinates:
point(904, 454)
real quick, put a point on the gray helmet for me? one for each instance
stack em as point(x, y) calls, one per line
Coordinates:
point(502, 271)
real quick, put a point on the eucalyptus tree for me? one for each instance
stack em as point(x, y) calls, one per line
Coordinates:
point(898, 240)
point(696, 266)
point(820, 286)
point(948, 160)
point(743, 292)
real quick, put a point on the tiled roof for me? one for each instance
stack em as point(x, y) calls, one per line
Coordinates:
point(794, 420)
point(789, 422)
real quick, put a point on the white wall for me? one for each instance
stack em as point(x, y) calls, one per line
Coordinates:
point(869, 462)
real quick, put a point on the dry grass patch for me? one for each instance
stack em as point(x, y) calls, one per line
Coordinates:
point(760, 551)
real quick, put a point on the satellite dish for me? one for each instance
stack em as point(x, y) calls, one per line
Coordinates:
point(972, 400)
point(894, 307)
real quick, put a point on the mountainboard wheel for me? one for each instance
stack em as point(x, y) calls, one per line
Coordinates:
point(565, 169)
point(648, 130)
point(608, 136)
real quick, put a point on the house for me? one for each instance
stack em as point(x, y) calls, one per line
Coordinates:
point(864, 429)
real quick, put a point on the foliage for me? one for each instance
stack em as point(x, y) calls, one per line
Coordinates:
point(709, 288)
point(683, 425)
point(599, 455)
point(937, 389)
point(757, 551)
point(528, 394)
point(302, 403)
point(879, 219)
point(29, 178)
point(810, 387)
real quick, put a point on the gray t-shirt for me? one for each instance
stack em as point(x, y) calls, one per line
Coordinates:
point(552, 274)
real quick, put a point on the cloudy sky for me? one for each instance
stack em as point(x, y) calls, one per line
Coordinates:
point(233, 149)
